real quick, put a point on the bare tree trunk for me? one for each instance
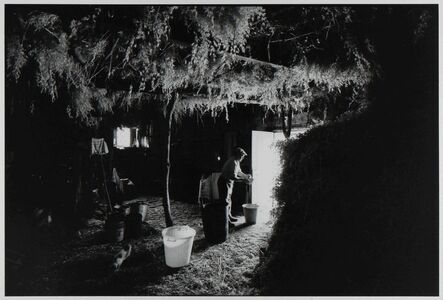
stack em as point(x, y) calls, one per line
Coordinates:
point(286, 124)
point(166, 200)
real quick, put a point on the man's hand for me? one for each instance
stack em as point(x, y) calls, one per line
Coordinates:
point(247, 178)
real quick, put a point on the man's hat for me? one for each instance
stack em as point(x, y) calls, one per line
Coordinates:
point(239, 152)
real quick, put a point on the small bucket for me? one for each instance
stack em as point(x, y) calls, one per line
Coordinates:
point(143, 210)
point(119, 232)
point(177, 241)
point(133, 223)
point(250, 212)
point(115, 228)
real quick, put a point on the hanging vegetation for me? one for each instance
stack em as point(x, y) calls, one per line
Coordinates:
point(148, 57)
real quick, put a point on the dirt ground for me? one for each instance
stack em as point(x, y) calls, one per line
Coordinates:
point(83, 266)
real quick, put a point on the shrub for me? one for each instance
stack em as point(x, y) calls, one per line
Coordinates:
point(358, 211)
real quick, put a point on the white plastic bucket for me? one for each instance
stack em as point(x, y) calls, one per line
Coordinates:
point(250, 212)
point(178, 241)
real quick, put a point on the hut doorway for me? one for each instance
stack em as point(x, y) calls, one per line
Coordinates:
point(266, 167)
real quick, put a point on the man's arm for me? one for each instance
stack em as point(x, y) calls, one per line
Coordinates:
point(240, 176)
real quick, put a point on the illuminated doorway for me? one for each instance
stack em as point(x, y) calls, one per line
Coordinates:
point(266, 167)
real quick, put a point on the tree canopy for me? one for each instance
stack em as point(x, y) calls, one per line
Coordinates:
point(111, 57)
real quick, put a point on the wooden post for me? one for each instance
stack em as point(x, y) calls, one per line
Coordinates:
point(105, 183)
point(166, 200)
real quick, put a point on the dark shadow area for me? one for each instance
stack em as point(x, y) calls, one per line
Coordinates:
point(41, 269)
point(200, 245)
point(95, 277)
point(96, 239)
point(240, 227)
point(148, 230)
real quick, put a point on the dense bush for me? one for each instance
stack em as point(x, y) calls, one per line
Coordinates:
point(358, 210)
point(358, 197)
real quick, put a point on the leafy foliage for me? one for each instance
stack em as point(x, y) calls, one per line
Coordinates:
point(168, 50)
point(355, 216)
point(55, 68)
point(16, 58)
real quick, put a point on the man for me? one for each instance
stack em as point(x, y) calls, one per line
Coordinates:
point(230, 173)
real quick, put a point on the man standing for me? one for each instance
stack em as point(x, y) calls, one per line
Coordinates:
point(230, 173)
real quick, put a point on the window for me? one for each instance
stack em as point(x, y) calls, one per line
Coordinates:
point(122, 137)
point(127, 137)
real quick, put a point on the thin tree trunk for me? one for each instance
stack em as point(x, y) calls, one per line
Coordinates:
point(287, 125)
point(166, 200)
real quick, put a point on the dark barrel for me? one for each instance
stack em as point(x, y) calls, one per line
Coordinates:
point(215, 222)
